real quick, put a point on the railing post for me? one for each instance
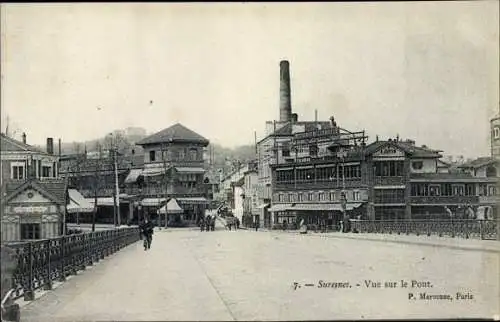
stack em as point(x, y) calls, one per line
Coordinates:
point(90, 247)
point(48, 283)
point(29, 293)
point(83, 252)
point(62, 260)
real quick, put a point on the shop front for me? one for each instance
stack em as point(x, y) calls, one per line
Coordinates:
point(33, 210)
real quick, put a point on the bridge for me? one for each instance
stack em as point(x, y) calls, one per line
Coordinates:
point(249, 275)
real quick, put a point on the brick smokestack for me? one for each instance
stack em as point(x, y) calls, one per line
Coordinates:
point(285, 92)
point(50, 145)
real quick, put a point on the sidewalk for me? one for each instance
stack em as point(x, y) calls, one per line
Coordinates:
point(422, 240)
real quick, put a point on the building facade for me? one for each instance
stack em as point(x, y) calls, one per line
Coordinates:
point(173, 169)
point(33, 197)
point(385, 180)
point(495, 137)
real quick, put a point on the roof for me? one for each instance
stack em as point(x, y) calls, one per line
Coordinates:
point(54, 189)
point(177, 133)
point(414, 151)
point(10, 144)
point(479, 162)
point(287, 129)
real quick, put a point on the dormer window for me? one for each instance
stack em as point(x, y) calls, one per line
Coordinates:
point(496, 132)
point(417, 165)
point(152, 156)
point(17, 171)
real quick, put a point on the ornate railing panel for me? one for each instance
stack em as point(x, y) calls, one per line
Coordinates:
point(39, 263)
point(466, 228)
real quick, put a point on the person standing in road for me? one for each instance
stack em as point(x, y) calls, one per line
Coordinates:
point(147, 232)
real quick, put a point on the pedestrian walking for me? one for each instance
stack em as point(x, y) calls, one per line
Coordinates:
point(237, 223)
point(256, 225)
point(147, 229)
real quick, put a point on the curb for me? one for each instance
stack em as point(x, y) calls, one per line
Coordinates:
point(419, 243)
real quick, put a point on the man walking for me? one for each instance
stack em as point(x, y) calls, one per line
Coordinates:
point(147, 232)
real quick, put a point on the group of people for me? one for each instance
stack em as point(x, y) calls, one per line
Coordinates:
point(207, 223)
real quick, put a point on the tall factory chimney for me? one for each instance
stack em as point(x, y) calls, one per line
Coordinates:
point(50, 145)
point(285, 92)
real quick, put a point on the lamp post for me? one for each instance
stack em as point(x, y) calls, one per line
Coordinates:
point(343, 198)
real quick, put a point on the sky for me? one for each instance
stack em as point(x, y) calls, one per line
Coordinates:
point(428, 71)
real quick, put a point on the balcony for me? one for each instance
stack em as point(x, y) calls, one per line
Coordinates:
point(438, 200)
point(349, 183)
point(489, 200)
point(389, 181)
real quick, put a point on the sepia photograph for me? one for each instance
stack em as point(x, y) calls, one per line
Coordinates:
point(250, 161)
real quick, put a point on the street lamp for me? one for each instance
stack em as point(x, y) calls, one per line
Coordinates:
point(343, 198)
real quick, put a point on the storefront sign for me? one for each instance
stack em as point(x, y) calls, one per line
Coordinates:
point(389, 151)
point(30, 209)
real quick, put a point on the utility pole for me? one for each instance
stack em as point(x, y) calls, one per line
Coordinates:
point(96, 185)
point(117, 187)
point(164, 157)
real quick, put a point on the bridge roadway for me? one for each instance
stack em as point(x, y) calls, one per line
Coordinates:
point(248, 275)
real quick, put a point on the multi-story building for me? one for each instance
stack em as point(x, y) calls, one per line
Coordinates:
point(251, 211)
point(495, 137)
point(390, 179)
point(275, 147)
point(33, 197)
point(174, 170)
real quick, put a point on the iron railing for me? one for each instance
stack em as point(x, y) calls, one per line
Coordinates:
point(465, 228)
point(39, 263)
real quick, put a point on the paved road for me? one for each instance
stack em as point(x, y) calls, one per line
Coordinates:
point(247, 275)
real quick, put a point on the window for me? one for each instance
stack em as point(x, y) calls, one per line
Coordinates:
point(310, 196)
point(355, 195)
point(389, 196)
point(332, 196)
point(30, 231)
point(17, 172)
point(313, 150)
point(492, 191)
point(417, 165)
point(434, 190)
point(46, 171)
point(181, 154)
point(285, 152)
point(321, 196)
point(152, 156)
point(193, 154)
point(458, 190)
point(496, 132)
point(301, 196)
point(280, 198)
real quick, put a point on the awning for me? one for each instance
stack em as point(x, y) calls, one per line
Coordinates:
point(351, 206)
point(264, 205)
point(102, 201)
point(193, 200)
point(151, 172)
point(318, 207)
point(280, 207)
point(152, 202)
point(78, 203)
point(189, 170)
point(172, 208)
point(133, 175)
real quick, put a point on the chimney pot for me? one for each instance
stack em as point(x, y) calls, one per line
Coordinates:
point(24, 137)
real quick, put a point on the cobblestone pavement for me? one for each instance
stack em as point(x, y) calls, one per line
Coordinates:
point(248, 275)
